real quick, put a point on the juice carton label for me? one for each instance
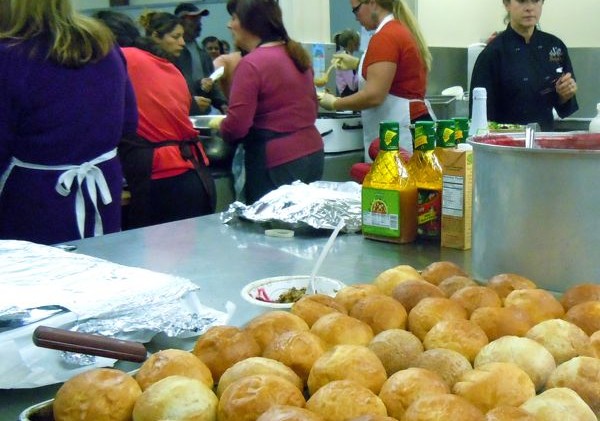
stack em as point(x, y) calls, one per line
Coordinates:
point(429, 211)
point(380, 212)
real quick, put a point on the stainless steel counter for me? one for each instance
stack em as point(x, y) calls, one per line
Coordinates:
point(222, 258)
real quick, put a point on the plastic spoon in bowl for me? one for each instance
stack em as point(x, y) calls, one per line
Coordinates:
point(324, 252)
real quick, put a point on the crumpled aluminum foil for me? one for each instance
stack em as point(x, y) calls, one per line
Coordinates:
point(319, 205)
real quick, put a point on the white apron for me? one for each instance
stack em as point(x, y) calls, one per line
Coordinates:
point(393, 108)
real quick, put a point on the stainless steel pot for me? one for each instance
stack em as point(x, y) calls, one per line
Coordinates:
point(534, 214)
point(218, 151)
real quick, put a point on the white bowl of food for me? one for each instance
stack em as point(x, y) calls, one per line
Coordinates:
point(283, 291)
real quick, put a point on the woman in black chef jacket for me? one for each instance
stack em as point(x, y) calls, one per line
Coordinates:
point(525, 71)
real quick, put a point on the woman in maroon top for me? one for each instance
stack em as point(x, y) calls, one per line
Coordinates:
point(273, 103)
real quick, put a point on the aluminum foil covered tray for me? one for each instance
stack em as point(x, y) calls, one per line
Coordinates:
point(318, 205)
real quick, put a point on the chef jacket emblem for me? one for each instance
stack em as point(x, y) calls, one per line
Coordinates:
point(555, 55)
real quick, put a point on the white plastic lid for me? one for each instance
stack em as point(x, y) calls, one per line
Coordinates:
point(479, 93)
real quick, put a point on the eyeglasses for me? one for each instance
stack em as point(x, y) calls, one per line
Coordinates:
point(357, 8)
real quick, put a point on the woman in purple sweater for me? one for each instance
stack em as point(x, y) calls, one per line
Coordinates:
point(272, 104)
point(65, 103)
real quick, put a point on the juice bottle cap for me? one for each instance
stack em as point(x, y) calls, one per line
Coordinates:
point(479, 93)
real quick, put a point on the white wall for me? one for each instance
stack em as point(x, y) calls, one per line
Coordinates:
point(458, 23)
point(307, 20)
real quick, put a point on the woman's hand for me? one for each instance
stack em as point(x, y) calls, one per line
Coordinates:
point(566, 87)
point(206, 84)
point(344, 61)
point(327, 101)
point(203, 103)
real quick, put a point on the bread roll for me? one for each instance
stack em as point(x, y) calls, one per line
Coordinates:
point(449, 364)
point(529, 355)
point(257, 365)
point(350, 294)
point(442, 408)
point(396, 348)
point(102, 394)
point(582, 374)
point(406, 386)
point(249, 397)
point(222, 346)
point(474, 297)
point(387, 280)
point(373, 418)
point(337, 328)
point(563, 339)
point(585, 315)
point(267, 326)
point(430, 311)
point(580, 293)
point(502, 321)
point(348, 362)
point(559, 404)
point(298, 350)
point(462, 336)
point(341, 400)
point(436, 272)
point(380, 312)
point(452, 284)
point(539, 304)
point(595, 344)
point(495, 384)
point(509, 413)
point(171, 362)
point(289, 413)
point(312, 307)
point(410, 292)
point(177, 398)
point(505, 283)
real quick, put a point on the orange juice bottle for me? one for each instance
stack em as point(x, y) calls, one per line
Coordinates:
point(426, 169)
point(389, 193)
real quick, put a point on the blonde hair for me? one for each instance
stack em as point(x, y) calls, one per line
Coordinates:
point(74, 40)
point(403, 13)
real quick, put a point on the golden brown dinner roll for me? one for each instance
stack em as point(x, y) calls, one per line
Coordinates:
point(502, 321)
point(267, 326)
point(462, 336)
point(297, 349)
point(595, 345)
point(453, 283)
point(436, 272)
point(170, 362)
point(337, 328)
point(177, 398)
point(341, 400)
point(99, 394)
point(380, 312)
point(396, 348)
point(431, 310)
point(257, 365)
point(312, 307)
point(372, 417)
point(563, 339)
point(559, 404)
point(449, 364)
point(529, 355)
point(350, 294)
point(582, 374)
point(538, 303)
point(406, 386)
point(442, 408)
point(249, 397)
point(348, 362)
point(410, 292)
point(289, 413)
point(505, 283)
point(474, 297)
point(495, 384)
point(509, 413)
point(585, 315)
point(222, 346)
point(387, 280)
point(580, 293)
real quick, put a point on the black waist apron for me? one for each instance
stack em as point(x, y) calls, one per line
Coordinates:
point(137, 154)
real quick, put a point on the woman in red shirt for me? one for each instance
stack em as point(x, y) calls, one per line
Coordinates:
point(392, 72)
point(165, 165)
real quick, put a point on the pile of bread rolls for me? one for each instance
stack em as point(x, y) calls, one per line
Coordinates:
point(410, 346)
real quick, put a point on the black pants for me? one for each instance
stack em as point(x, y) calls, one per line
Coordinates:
point(180, 197)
